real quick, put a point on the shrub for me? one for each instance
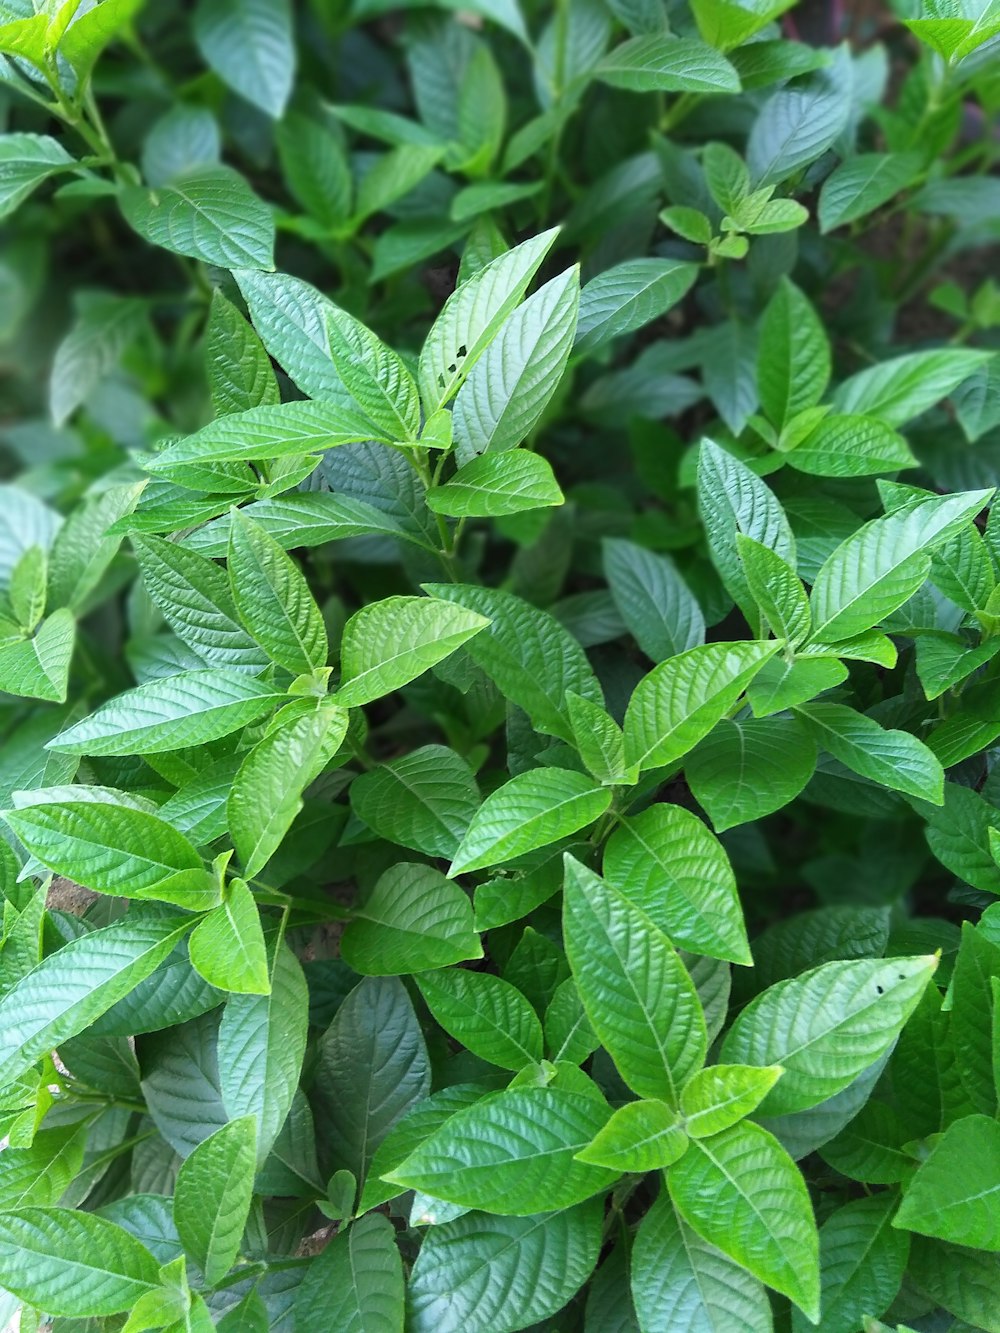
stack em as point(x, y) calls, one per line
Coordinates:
point(499, 628)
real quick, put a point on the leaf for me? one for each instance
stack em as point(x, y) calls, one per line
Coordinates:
point(483, 1274)
point(639, 998)
point(740, 1191)
point(38, 667)
point(722, 1095)
point(188, 709)
point(681, 1284)
point(84, 546)
point(599, 740)
point(532, 809)
point(511, 1152)
point(355, 1284)
point(776, 589)
point(875, 570)
point(904, 387)
point(425, 800)
point(660, 62)
point(493, 485)
point(893, 758)
point(212, 1197)
point(387, 644)
point(103, 328)
point(850, 445)
point(240, 376)
point(863, 183)
point(26, 160)
point(629, 295)
point(661, 612)
point(679, 702)
point(291, 317)
point(72, 987)
point(372, 1067)
point(376, 378)
point(797, 124)
point(667, 864)
point(473, 316)
point(531, 658)
point(413, 920)
point(227, 946)
point(746, 770)
point(249, 44)
point(489, 1016)
point(40, 1173)
point(273, 598)
point(862, 1261)
point(266, 794)
point(73, 1263)
point(827, 1026)
point(959, 834)
point(210, 214)
point(953, 1194)
point(793, 361)
point(505, 396)
point(640, 1136)
point(111, 848)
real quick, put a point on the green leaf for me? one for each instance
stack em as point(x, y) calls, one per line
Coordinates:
point(679, 702)
point(496, 484)
point(746, 770)
point(490, 1017)
point(72, 1263)
point(393, 175)
point(103, 328)
point(827, 1026)
point(291, 317)
point(954, 1192)
point(793, 363)
point(863, 183)
point(212, 1197)
point(776, 589)
point(40, 1173)
point(273, 598)
point(681, 1284)
point(862, 1261)
point(531, 658)
point(261, 1046)
point(906, 386)
point(189, 709)
point(249, 44)
point(666, 862)
point(661, 612)
point(72, 987)
point(893, 758)
point(512, 1153)
point(413, 920)
point(38, 667)
point(389, 643)
point(84, 546)
point(533, 809)
point(305, 519)
point(504, 397)
point(355, 1284)
point(726, 23)
point(875, 570)
point(210, 214)
point(599, 740)
point(227, 946)
point(797, 124)
point(111, 848)
point(473, 316)
point(624, 298)
point(316, 169)
point(740, 1191)
point(266, 794)
point(481, 1274)
point(849, 445)
point(26, 160)
point(240, 376)
point(959, 834)
point(722, 1095)
point(640, 1136)
point(376, 378)
point(660, 62)
point(781, 684)
point(425, 800)
point(638, 995)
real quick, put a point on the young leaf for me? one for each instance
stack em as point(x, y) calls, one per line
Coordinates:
point(776, 589)
point(893, 758)
point(490, 1017)
point(496, 484)
point(722, 1095)
point(213, 1194)
point(413, 920)
point(598, 739)
point(640, 1136)
point(227, 946)
point(355, 1284)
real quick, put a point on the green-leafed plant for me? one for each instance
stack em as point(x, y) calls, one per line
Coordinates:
point(499, 611)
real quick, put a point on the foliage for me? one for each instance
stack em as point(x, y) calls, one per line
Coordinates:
point(499, 614)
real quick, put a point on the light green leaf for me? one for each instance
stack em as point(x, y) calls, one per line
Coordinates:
point(512, 1153)
point(40, 1173)
point(661, 612)
point(826, 1026)
point(496, 484)
point(249, 44)
point(227, 946)
point(679, 702)
point(189, 709)
point(533, 809)
point(955, 1191)
point(893, 758)
point(777, 590)
point(904, 387)
point(376, 378)
point(38, 667)
point(666, 862)
point(781, 684)
point(389, 643)
point(851, 445)
point(413, 920)
point(722, 1095)
point(240, 376)
point(660, 62)
point(599, 740)
point(748, 769)
point(862, 1261)
point(740, 1191)
point(960, 836)
point(793, 361)
point(640, 1136)
point(212, 1197)
point(305, 519)
point(425, 800)
point(26, 160)
point(629, 295)
point(638, 995)
point(83, 548)
point(291, 317)
point(728, 23)
point(210, 214)
point(863, 183)
point(489, 1016)
point(355, 1284)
